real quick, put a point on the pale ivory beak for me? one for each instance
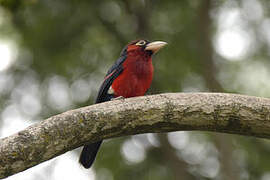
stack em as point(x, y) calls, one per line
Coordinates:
point(155, 46)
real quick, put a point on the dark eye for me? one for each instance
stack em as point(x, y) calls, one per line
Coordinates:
point(141, 43)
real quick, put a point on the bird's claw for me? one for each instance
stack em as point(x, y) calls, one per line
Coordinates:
point(117, 98)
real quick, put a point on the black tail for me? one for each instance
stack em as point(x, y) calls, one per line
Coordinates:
point(88, 154)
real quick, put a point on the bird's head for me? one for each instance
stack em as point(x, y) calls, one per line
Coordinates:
point(143, 47)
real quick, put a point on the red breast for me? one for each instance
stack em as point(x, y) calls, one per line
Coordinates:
point(136, 77)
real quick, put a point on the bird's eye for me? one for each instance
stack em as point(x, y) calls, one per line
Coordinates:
point(140, 43)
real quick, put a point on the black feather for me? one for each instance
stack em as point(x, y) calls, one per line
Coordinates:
point(116, 69)
point(89, 152)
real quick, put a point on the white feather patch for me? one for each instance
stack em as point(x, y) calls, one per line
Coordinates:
point(110, 91)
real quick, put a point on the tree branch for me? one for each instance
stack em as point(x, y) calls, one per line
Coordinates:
point(230, 113)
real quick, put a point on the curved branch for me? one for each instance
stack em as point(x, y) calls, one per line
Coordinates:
point(230, 113)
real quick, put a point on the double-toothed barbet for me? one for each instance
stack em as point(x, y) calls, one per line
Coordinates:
point(130, 76)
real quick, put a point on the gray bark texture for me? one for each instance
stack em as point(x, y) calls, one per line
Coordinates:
point(219, 112)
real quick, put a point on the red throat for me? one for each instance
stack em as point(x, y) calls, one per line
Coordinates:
point(136, 77)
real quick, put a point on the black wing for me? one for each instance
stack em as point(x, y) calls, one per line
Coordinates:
point(89, 151)
point(112, 73)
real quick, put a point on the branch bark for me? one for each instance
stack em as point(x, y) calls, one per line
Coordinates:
point(219, 112)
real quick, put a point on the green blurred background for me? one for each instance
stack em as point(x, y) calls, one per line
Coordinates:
point(54, 55)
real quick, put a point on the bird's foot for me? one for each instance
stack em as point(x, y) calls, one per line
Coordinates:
point(118, 98)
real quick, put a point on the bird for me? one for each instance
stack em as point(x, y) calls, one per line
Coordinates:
point(130, 76)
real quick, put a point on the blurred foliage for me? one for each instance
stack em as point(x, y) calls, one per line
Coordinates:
point(64, 49)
